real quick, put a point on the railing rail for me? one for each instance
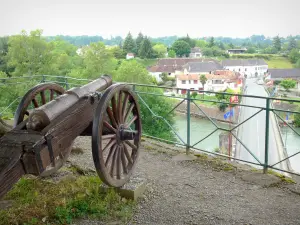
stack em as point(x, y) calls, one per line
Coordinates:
point(189, 101)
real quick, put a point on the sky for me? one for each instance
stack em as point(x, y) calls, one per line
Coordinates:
point(155, 18)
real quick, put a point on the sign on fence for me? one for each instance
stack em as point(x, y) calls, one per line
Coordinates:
point(228, 114)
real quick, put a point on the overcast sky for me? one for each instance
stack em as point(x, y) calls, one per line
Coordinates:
point(198, 18)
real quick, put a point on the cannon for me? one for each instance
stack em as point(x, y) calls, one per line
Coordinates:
point(48, 120)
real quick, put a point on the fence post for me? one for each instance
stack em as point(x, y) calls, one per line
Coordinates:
point(66, 81)
point(43, 78)
point(267, 135)
point(188, 114)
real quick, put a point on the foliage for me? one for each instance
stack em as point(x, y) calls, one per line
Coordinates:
point(298, 64)
point(171, 53)
point(181, 48)
point(201, 43)
point(251, 50)
point(129, 45)
point(224, 99)
point(203, 80)
point(292, 44)
point(38, 201)
point(187, 39)
point(294, 55)
point(277, 82)
point(288, 84)
point(139, 41)
point(277, 43)
point(160, 50)
point(297, 119)
point(211, 42)
point(118, 52)
point(146, 50)
point(194, 94)
point(279, 62)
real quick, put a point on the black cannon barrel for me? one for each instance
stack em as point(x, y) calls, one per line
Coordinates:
point(42, 116)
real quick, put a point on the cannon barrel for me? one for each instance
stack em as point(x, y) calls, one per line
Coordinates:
point(42, 116)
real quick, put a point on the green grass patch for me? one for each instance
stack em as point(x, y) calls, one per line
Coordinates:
point(38, 201)
point(279, 62)
point(147, 62)
point(282, 177)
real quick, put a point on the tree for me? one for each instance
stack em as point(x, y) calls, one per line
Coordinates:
point(129, 45)
point(297, 119)
point(3, 52)
point(288, 84)
point(160, 50)
point(29, 54)
point(139, 41)
point(211, 42)
point(294, 55)
point(251, 50)
point(171, 53)
point(292, 44)
point(188, 40)
point(181, 48)
point(231, 46)
point(201, 43)
point(277, 43)
point(97, 60)
point(203, 80)
point(146, 50)
point(298, 64)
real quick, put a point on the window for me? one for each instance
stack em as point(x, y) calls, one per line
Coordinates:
point(255, 68)
point(195, 82)
point(245, 69)
point(217, 82)
point(183, 81)
point(239, 69)
point(189, 81)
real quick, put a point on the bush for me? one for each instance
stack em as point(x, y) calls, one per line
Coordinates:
point(297, 119)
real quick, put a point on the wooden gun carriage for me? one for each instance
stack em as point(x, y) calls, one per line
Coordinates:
point(48, 120)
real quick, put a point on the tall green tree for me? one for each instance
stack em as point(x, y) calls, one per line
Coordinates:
point(203, 80)
point(201, 43)
point(3, 52)
point(292, 44)
point(160, 50)
point(29, 53)
point(188, 40)
point(294, 55)
point(277, 43)
point(181, 48)
point(139, 41)
point(146, 50)
point(129, 45)
point(211, 42)
point(171, 53)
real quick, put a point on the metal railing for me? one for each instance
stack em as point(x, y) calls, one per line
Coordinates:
point(190, 105)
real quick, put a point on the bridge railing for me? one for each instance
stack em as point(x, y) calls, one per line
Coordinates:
point(206, 122)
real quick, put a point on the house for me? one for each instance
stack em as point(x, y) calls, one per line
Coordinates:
point(280, 74)
point(216, 81)
point(173, 66)
point(129, 56)
point(247, 67)
point(201, 67)
point(196, 53)
point(236, 51)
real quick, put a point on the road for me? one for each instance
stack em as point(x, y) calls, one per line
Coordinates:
point(252, 132)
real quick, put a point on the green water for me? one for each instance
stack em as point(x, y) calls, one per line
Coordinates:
point(200, 128)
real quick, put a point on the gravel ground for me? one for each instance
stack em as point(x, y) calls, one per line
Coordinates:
point(198, 192)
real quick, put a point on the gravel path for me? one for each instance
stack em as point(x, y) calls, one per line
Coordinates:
point(199, 192)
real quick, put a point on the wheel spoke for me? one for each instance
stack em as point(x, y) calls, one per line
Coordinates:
point(42, 93)
point(119, 163)
point(106, 124)
point(111, 117)
point(51, 95)
point(108, 136)
point(120, 107)
point(128, 112)
point(127, 154)
point(125, 103)
point(131, 121)
point(114, 161)
point(122, 152)
point(112, 150)
point(110, 143)
point(114, 108)
point(35, 103)
point(131, 145)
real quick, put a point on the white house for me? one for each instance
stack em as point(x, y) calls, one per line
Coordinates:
point(218, 81)
point(281, 74)
point(129, 56)
point(196, 53)
point(246, 67)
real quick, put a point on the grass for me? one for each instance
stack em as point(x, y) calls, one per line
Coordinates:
point(37, 201)
point(283, 178)
point(147, 62)
point(279, 62)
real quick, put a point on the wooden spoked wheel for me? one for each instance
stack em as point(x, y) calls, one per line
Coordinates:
point(37, 96)
point(116, 135)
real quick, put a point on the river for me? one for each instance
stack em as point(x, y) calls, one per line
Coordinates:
point(200, 128)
